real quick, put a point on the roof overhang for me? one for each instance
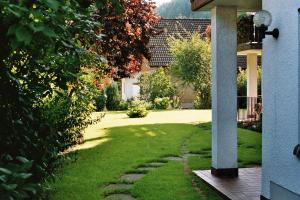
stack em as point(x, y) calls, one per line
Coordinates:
point(242, 5)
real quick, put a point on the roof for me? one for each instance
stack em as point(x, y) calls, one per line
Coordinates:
point(159, 49)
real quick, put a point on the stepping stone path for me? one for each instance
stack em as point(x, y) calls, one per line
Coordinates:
point(120, 197)
point(131, 178)
point(173, 158)
point(146, 168)
point(193, 154)
point(119, 186)
point(156, 164)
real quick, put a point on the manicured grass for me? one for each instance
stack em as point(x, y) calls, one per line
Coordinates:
point(112, 151)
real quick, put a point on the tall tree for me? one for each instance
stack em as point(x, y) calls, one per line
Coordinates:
point(125, 34)
point(192, 64)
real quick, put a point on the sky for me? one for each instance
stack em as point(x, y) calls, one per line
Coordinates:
point(159, 2)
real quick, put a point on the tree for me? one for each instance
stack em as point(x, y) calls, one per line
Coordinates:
point(180, 9)
point(44, 97)
point(125, 35)
point(192, 64)
point(156, 84)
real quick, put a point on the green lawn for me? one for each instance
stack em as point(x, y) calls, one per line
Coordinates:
point(112, 151)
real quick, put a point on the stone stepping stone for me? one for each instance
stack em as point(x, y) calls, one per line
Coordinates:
point(193, 154)
point(131, 178)
point(156, 164)
point(146, 168)
point(173, 158)
point(120, 197)
point(119, 186)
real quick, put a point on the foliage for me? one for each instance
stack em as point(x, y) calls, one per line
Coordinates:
point(44, 47)
point(137, 109)
point(245, 28)
point(113, 96)
point(162, 103)
point(123, 105)
point(126, 33)
point(15, 178)
point(101, 101)
point(156, 84)
point(180, 9)
point(192, 64)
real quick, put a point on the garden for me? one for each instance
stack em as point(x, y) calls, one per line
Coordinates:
point(147, 158)
point(61, 63)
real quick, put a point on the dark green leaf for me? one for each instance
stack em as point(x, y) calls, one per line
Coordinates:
point(54, 4)
point(9, 187)
point(23, 34)
point(23, 175)
point(5, 171)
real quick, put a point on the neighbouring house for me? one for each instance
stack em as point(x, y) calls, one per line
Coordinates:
point(280, 172)
point(161, 57)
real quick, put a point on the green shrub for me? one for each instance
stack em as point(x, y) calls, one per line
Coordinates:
point(100, 101)
point(137, 109)
point(192, 65)
point(113, 96)
point(161, 103)
point(156, 84)
point(15, 178)
point(123, 105)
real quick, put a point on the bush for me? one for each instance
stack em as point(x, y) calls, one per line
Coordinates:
point(15, 178)
point(192, 64)
point(161, 103)
point(123, 105)
point(100, 101)
point(137, 109)
point(113, 96)
point(156, 84)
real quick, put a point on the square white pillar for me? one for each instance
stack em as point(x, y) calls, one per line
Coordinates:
point(224, 91)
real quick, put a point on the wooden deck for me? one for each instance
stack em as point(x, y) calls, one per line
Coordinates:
point(246, 187)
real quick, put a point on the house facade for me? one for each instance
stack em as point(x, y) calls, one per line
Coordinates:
point(161, 57)
point(281, 97)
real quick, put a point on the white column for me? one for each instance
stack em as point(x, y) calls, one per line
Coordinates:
point(252, 75)
point(224, 91)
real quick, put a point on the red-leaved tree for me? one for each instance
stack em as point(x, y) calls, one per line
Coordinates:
point(125, 35)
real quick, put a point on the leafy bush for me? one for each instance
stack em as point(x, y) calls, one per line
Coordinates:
point(156, 84)
point(192, 64)
point(123, 105)
point(161, 103)
point(137, 109)
point(15, 178)
point(100, 101)
point(113, 96)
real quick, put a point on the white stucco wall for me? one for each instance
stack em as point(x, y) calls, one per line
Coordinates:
point(130, 87)
point(281, 123)
point(224, 87)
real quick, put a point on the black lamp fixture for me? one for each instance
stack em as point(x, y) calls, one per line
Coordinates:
point(262, 21)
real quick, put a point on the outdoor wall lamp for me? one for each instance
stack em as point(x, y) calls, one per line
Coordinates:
point(297, 151)
point(262, 21)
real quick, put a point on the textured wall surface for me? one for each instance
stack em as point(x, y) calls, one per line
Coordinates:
point(224, 95)
point(281, 74)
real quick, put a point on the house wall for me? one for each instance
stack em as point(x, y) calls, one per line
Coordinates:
point(281, 123)
point(130, 87)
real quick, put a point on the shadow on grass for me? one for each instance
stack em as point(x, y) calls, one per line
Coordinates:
point(123, 149)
